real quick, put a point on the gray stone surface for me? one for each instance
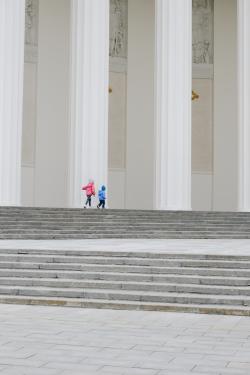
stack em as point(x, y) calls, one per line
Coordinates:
point(37, 340)
point(57, 223)
point(188, 276)
point(173, 246)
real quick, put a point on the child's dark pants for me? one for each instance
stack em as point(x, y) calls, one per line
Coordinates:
point(101, 203)
point(88, 201)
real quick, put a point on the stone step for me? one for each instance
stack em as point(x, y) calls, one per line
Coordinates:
point(126, 305)
point(123, 217)
point(98, 215)
point(131, 277)
point(55, 225)
point(115, 227)
point(122, 231)
point(135, 261)
point(44, 237)
point(147, 222)
point(141, 235)
point(150, 226)
point(125, 269)
point(167, 287)
point(123, 253)
point(116, 233)
point(68, 211)
point(110, 214)
point(135, 232)
point(94, 211)
point(107, 216)
point(141, 296)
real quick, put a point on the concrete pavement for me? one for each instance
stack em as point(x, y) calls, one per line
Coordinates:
point(39, 340)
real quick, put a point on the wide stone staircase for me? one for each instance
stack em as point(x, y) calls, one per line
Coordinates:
point(126, 280)
point(45, 223)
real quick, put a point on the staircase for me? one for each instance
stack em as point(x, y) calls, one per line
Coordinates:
point(45, 223)
point(126, 280)
point(141, 280)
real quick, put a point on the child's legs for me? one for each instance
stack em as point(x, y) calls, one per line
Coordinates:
point(88, 201)
point(102, 204)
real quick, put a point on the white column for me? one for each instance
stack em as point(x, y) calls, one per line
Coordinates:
point(89, 95)
point(12, 25)
point(244, 103)
point(173, 104)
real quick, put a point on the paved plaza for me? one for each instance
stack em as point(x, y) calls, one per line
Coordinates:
point(38, 340)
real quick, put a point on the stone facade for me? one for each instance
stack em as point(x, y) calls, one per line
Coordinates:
point(118, 28)
point(31, 30)
point(203, 31)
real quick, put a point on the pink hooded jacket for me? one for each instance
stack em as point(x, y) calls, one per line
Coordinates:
point(90, 188)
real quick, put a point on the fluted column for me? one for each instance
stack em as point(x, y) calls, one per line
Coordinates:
point(12, 25)
point(89, 95)
point(244, 103)
point(173, 104)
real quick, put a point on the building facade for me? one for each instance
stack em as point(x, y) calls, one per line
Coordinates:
point(101, 89)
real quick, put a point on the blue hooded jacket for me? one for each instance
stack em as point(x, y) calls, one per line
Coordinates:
point(102, 193)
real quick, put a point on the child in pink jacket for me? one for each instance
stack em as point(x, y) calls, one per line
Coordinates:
point(90, 190)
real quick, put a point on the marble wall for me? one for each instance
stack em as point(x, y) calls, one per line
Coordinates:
point(203, 31)
point(202, 127)
point(30, 81)
point(202, 111)
point(202, 145)
point(117, 120)
point(118, 84)
point(118, 28)
point(118, 102)
point(53, 126)
point(29, 101)
point(225, 173)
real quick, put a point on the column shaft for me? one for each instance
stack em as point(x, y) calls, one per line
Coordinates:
point(173, 104)
point(89, 95)
point(244, 103)
point(12, 25)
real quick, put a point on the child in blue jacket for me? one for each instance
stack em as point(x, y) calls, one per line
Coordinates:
point(102, 197)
